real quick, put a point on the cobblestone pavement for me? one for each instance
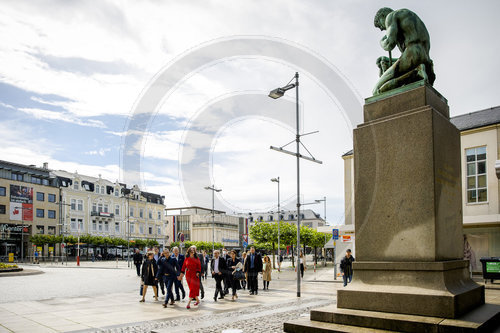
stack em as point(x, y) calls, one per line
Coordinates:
point(254, 319)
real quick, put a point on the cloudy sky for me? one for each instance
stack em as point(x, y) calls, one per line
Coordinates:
point(73, 73)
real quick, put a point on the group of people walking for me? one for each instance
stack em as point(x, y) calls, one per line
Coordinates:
point(230, 272)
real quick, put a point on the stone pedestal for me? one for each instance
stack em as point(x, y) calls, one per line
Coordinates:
point(408, 210)
point(408, 219)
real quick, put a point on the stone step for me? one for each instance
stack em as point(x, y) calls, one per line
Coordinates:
point(305, 325)
point(485, 318)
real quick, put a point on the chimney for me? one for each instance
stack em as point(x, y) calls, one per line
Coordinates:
point(45, 165)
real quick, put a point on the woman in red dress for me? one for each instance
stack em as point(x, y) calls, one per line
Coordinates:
point(192, 269)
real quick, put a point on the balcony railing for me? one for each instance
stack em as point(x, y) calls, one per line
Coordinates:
point(102, 214)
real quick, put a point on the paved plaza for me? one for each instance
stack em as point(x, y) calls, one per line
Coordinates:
point(104, 297)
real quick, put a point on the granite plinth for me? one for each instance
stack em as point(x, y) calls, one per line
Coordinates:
point(485, 318)
point(437, 289)
point(408, 199)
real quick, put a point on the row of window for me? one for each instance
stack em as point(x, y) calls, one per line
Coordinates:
point(141, 213)
point(51, 214)
point(100, 208)
point(40, 229)
point(35, 180)
point(291, 217)
point(40, 196)
point(99, 189)
point(77, 225)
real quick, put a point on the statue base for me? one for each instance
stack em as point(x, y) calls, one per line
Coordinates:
point(485, 318)
point(437, 289)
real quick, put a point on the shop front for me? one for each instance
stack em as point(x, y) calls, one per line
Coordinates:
point(13, 239)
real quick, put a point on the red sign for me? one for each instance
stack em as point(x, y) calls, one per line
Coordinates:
point(245, 238)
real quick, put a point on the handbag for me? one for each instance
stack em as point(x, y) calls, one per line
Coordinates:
point(239, 275)
point(141, 288)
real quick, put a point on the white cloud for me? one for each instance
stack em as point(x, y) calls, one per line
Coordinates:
point(101, 152)
point(61, 116)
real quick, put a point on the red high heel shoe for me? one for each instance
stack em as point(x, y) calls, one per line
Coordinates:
point(196, 303)
point(188, 307)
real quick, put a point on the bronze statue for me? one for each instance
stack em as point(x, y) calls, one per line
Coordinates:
point(405, 30)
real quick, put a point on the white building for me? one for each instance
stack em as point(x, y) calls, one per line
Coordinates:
point(196, 224)
point(99, 207)
point(308, 217)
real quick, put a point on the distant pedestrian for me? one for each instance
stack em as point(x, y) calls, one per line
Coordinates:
point(280, 260)
point(179, 258)
point(234, 266)
point(138, 261)
point(218, 267)
point(167, 271)
point(206, 260)
point(243, 259)
point(191, 268)
point(149, 273)
point(266, 272)
point(36, 257)
point(302, 262)
point(253, 266)
point(346, 267)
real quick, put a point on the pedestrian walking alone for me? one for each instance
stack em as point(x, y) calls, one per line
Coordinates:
point(346, 267)
point(167, 271)
point(138, 261)
point(234, 267)
point(266, 272)
point(218, 267)
point(149, 272)
point(191, 268)
point(302, 262)
point(253, 266)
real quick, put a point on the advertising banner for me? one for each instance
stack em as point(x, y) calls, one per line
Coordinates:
point(21, 203)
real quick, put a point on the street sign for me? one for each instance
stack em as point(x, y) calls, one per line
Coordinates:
point(245, 238)
point(335, 234)
point(181, 237)
point(245, 244)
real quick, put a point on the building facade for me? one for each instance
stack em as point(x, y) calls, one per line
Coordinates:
point(29, 205)
point(196, 224)
point(480, 158)
point(99, 207)
point(308, 218)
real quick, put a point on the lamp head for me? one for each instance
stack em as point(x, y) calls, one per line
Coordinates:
point(275, 180)
point(276, 93)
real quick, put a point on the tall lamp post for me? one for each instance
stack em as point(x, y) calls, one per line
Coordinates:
point(277, 93)
point(277, 180)
point(213, 189)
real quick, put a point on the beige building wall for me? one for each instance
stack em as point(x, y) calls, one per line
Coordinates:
point(348, 189)
point(482, 212)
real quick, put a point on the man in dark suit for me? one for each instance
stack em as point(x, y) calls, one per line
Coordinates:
point(218, 267)
point(225, 275)
point(178, 284)
point(138, 261)
point(167, 271)
point(253, 266)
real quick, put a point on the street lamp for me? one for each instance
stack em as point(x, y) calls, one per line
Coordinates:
point(213, 189)
point(277, 180)
point(277, 93)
